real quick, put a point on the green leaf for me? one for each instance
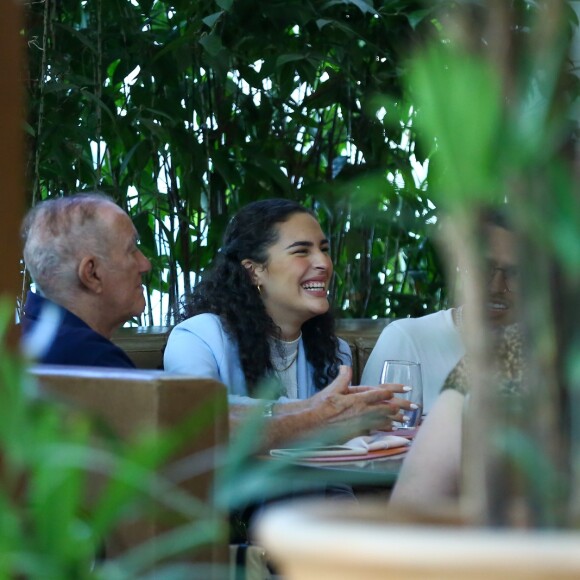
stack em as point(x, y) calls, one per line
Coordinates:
point(465, 122)
point(29, 129)
point(286, 58)
point(127, 158)
point(415, 18)
point(99, 102)
point(212, 18)
point(322, 22)
point(56, 87)
point(363, 6)
point(211, 43)
point(225, 4)
point(80, 35)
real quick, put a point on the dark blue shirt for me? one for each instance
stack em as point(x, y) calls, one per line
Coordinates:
point(75, 343)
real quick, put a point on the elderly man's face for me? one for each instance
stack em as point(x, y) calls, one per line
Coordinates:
point(122, 269)
point(502, 276)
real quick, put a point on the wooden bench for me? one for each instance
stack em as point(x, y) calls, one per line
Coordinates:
point(361, 335)
point(145, 344)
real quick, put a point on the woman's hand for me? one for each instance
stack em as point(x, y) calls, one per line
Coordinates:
point(348, 410)
point(372, 407)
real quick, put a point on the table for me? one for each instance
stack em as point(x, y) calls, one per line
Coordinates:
point(374, 472)
point(291, 479)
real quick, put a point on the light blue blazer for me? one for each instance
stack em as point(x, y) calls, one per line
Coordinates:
point(200, 347)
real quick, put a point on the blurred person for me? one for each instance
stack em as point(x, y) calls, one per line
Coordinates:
point(431, 471)
point(261, 312)
point(83, 256)
point(435, 340)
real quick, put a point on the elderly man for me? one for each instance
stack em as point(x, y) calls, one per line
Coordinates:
point(82, 254)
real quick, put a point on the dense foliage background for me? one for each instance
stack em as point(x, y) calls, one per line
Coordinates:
point(184, 111)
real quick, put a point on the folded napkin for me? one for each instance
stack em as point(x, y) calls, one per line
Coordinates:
point(357, 446)
point(378, 440)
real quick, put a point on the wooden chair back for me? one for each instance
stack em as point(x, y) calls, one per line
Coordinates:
point(132, 401)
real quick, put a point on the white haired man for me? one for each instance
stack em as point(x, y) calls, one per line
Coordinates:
point(82, 254)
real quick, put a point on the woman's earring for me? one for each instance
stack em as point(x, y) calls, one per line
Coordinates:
point(259, 287)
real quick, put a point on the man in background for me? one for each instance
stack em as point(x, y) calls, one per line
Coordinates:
point(435, 340)
point(82, 255)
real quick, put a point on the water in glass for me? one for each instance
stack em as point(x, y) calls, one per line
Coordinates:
point(406, 373)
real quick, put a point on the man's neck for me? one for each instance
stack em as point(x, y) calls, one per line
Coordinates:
point(92, 316)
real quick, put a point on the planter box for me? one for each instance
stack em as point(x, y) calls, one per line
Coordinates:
point(316, 540)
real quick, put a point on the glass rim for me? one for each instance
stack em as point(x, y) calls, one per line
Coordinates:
point(400, 361)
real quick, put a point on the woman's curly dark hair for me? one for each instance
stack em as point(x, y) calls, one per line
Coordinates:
point(226, 289)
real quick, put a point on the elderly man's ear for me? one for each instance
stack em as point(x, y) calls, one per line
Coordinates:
point(89, 274)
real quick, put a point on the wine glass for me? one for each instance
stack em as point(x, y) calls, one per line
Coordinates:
point(406, 373)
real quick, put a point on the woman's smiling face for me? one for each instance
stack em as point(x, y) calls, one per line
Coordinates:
point(294, 281)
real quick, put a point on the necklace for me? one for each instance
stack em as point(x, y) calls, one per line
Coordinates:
point(292, 361)
point(284, 354)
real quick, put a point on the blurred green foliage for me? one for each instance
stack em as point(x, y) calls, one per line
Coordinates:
point(500, 99)
point(54, 521)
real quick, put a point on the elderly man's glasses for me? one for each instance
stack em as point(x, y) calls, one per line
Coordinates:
point(510, 274)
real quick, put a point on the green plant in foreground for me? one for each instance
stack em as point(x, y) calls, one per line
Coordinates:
point(503, 114)
point(52, 523)
point(42, 531)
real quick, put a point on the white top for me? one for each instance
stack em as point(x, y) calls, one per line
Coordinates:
point(432, 340)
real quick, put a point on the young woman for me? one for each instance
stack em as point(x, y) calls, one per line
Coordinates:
point(262, 312)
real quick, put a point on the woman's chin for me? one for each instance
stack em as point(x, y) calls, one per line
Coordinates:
point(319, 309)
